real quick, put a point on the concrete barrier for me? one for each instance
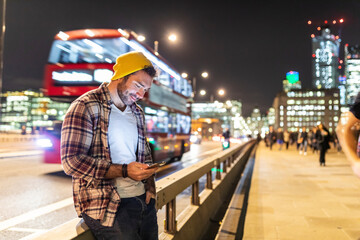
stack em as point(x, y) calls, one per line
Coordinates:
point(73, 229)
point(195, 220)
point(231, 227)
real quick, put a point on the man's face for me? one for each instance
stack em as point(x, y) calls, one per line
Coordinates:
point(134, 88)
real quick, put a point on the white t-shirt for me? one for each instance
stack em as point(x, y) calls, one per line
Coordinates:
point(123, 140)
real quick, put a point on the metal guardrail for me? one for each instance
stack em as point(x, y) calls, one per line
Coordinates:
point(195, 219)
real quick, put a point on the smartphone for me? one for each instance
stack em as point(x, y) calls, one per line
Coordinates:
point(156, 165)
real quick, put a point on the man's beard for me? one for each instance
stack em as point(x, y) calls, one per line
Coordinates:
point(126, 98)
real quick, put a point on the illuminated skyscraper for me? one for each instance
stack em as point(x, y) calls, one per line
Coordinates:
point(325, 53)
point(352, 72)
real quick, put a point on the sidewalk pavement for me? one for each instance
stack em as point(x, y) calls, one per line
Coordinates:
point(292, 197)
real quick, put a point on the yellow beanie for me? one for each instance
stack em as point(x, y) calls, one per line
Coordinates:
point(129, 63)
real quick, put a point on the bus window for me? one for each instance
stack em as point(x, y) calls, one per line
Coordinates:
point(164, 78)
point(172, 123)
point(87, 50)
point(157, 123)
point(183, 124)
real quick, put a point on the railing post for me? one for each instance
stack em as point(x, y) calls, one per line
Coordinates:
point(209, 180)
point(218, 169)
point(229, 161)
point(195, 199)
point(170, 220)
point(224, 166)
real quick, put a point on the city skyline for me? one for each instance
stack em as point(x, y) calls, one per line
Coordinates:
point(247, 50)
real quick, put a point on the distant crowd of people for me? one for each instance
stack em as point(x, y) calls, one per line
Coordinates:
point(318, 139)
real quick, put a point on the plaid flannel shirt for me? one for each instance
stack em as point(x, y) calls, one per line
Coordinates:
point(85, 154)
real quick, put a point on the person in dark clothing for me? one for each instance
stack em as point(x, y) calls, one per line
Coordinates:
point(303, 140)
point(280, 138)
point(314, 144)
point(297, 137)
point(226, 134)
point(323, 138)
point(286, 139)
point(347, 138)
point(271, 136)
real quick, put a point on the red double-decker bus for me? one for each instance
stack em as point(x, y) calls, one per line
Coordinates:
point(81, 60)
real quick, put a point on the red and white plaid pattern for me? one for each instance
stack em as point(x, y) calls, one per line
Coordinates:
point(85, 154)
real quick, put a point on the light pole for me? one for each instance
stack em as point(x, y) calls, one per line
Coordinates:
point(156, 47)
point(203, 75)
point(172, 38)
point(2, 39)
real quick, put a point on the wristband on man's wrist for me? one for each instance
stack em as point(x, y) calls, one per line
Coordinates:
point(124, 171)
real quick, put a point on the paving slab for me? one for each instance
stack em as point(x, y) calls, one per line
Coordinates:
point(293, 197)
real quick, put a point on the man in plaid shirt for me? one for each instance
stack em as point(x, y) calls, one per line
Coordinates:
point(349, 144)
point(104, 149)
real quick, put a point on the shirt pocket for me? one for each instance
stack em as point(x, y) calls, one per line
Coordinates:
point(94, 201)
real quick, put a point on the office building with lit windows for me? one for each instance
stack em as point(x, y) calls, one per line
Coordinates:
point(30, 109)
point(257, 123)
point(307, 108)
point(229, 113)
point(325, 54)
point(352, 72)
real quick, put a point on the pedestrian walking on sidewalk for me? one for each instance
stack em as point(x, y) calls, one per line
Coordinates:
point(104, 149)
point(271, 137)
point(345, 132)
point(286, 139)
point(313, 140)
point(297, 137)
point(280, 138)
point(303, 140)
point(323, 138)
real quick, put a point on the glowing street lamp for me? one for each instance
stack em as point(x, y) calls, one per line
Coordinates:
point(184, 75)
point(172, 37)
point(205, 75)
point(221, 92)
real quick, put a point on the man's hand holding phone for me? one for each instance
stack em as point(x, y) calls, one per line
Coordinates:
point(156, 165)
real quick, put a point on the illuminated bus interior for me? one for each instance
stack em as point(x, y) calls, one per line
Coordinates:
point(105, 51)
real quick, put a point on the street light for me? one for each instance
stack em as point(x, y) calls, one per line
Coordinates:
point(172, 38)
point(205, 75)
point(221, 92)
point(184, 75)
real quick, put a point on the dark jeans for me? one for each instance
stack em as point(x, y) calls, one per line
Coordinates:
point(135, 220)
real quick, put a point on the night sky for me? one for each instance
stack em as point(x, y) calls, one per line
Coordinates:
point(247, 48)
